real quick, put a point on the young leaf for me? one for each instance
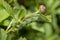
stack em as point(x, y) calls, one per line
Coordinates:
point(7, 7)
point(3, 34)
point(3, 14)
point(56, 4)
point(38, 27)
point(48, 30)
point(49, 3)
point(22, 13)
point(6, 22)
point(21, 38)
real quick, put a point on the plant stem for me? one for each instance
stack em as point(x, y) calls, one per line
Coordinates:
point(10, 25)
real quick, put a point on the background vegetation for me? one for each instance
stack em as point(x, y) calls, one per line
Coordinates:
point(26, 20)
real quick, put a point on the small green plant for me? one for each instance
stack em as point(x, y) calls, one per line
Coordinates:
point(29, 20)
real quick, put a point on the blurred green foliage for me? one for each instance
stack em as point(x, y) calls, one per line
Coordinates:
point(24, 20)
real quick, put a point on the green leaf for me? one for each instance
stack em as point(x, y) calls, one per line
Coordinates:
point(53, 37)
point(3, 34)
point(48, 29)
point(6, 22)
point(54, 23)
point(58, 11)
point(49, 18)
point(7, 7)
point(22, 13)
point(55, 5)
point(3, 14)
point(38, 27)
point(43, 18)
point(10, 36)
point(21, 38)
point(49, 3)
